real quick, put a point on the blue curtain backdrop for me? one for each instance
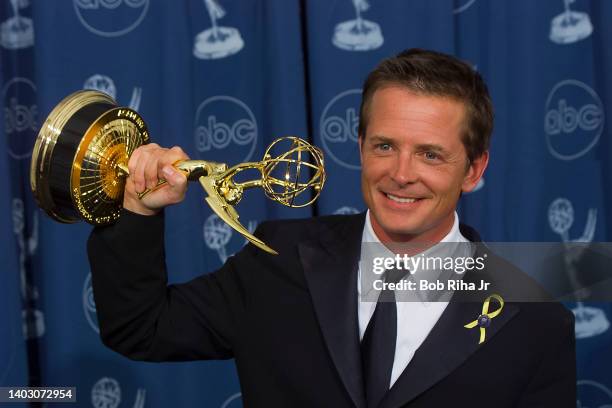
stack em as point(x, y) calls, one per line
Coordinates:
point(285, 67)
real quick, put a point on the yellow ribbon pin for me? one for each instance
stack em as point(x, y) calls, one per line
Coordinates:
point(484, 320)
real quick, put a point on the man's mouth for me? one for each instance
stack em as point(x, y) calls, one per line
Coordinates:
point(402, 200)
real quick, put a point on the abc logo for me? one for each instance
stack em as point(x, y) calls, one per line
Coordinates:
point(227, 124)
point(574, 120)
point(20, 116)
point(111, 18)
point(339, 126)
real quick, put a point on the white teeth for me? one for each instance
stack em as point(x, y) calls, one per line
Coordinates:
point(400, 199)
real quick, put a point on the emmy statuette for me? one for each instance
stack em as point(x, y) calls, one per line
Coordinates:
point(80, 158)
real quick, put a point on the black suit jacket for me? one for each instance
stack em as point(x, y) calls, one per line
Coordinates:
point(290, 321)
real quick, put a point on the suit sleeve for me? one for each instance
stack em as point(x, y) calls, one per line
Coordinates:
point(554, 383)
point(143, 318)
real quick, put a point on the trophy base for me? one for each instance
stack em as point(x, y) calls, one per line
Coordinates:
point(567, 30)
point(211, 44)
point(16, 33)
point(76, 163)
point(352, 36)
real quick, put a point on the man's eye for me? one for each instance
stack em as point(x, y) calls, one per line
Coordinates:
point(383, 147)
point(431, 156)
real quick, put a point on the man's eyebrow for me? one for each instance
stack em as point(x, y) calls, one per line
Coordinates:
point(430, 147)
point(380, 139)
point(375, 139)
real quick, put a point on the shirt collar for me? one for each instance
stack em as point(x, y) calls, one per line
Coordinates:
point(369, 239)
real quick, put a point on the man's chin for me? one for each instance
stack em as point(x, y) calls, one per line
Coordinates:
point(401, 231)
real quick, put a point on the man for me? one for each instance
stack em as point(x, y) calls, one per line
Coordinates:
point(294, 323)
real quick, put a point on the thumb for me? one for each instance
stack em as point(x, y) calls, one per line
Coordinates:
point(173, 176)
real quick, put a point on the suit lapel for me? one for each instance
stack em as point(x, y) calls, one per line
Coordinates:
point(448, 344)
point(330, 267)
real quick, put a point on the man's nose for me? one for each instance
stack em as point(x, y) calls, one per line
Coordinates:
point(404, 171)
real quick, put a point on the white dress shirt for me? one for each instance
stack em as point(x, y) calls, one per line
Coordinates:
point(414, 319)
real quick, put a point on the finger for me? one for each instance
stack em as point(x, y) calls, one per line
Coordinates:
point(129, 185)
point(135, 156)
point(139, 173)
point(172, 156)
point(177, 184)
point(150, 172)
point(180, 154)
point(175, 178)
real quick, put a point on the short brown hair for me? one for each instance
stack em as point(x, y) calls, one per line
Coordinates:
point(432, 73)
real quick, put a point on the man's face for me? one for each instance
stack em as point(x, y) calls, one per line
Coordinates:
point(414, 165)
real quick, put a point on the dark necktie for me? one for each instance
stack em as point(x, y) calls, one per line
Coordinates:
point(378, 344)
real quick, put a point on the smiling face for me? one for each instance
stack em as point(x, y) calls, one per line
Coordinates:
point(414, 164)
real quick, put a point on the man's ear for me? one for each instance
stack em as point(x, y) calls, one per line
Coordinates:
point(474, 172)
